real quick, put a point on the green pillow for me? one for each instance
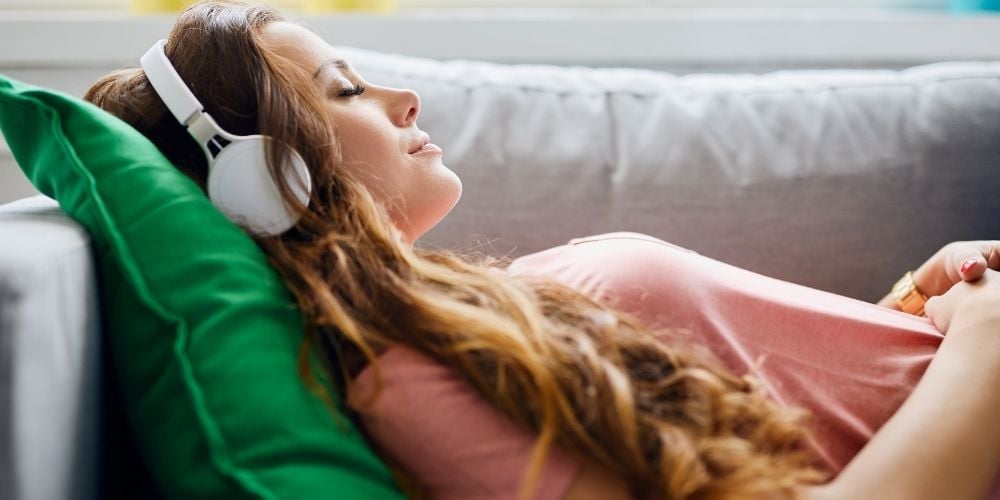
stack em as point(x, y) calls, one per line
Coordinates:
point(203, 335)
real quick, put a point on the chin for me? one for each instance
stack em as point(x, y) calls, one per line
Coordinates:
point(458, 191)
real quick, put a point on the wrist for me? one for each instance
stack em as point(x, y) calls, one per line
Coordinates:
point(907, 295)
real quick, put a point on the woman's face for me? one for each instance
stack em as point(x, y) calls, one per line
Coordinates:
point(376, 132)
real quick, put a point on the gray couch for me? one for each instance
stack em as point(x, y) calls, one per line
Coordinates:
point(839, 180)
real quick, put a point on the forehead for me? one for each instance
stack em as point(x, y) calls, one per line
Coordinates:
point(300, 45)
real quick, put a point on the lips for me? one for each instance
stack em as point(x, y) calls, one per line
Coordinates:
point(424, 140)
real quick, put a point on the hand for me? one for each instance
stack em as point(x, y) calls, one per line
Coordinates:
point(956, 262)
point(968, 303)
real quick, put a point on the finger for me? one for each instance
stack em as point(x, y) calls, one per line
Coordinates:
point(973, 259)
point(934, 309)
point(974, 264)
point(972, 267)
point(992, 254)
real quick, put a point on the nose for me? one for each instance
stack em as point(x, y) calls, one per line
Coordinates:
point(407, 108)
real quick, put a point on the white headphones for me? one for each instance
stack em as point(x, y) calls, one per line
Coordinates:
point(239, 183)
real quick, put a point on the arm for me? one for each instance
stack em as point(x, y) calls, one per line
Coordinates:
point(943, 442)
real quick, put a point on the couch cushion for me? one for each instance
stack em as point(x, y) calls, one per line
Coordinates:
point(202, 333)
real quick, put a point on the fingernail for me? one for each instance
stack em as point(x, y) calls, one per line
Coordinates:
point(968, 265)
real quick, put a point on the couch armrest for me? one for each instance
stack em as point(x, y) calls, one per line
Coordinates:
point(49, 355)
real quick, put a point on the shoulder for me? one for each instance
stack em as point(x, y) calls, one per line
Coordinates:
point(610, 263)
point(622, 245)
point(627, 238)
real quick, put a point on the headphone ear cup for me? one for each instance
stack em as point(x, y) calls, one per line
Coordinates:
point(240, 185)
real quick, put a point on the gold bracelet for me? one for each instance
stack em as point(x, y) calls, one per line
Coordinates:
point(909, 298)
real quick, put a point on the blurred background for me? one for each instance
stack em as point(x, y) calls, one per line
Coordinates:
point(67, 44)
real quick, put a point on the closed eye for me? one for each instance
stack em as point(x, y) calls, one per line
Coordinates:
point(358, 90)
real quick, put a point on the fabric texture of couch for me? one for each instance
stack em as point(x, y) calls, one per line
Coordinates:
point(835, 179)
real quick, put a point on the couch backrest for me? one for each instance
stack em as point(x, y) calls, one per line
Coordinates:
point(835, 179)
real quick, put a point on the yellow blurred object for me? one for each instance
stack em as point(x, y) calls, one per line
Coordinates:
point(175, 6)
point(308, 6)
point(286, 5)
point(158, 6)
point(327, 6)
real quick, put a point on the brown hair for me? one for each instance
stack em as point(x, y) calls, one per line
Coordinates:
point(596, 381)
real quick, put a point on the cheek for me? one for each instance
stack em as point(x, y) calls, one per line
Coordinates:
point(357, 145)
point(365, 137)
point(374, 164)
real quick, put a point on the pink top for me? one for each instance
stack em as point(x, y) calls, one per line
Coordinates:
point(850, 362)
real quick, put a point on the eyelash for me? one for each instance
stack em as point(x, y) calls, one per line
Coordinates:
point(358, 90)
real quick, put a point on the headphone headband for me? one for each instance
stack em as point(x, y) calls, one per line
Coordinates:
point(169, 85)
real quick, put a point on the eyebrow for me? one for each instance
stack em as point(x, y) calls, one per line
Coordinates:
point(339, 63)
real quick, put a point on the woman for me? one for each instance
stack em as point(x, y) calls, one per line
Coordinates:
point(622, 398)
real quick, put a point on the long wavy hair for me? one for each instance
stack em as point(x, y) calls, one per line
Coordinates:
point(668, 420)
